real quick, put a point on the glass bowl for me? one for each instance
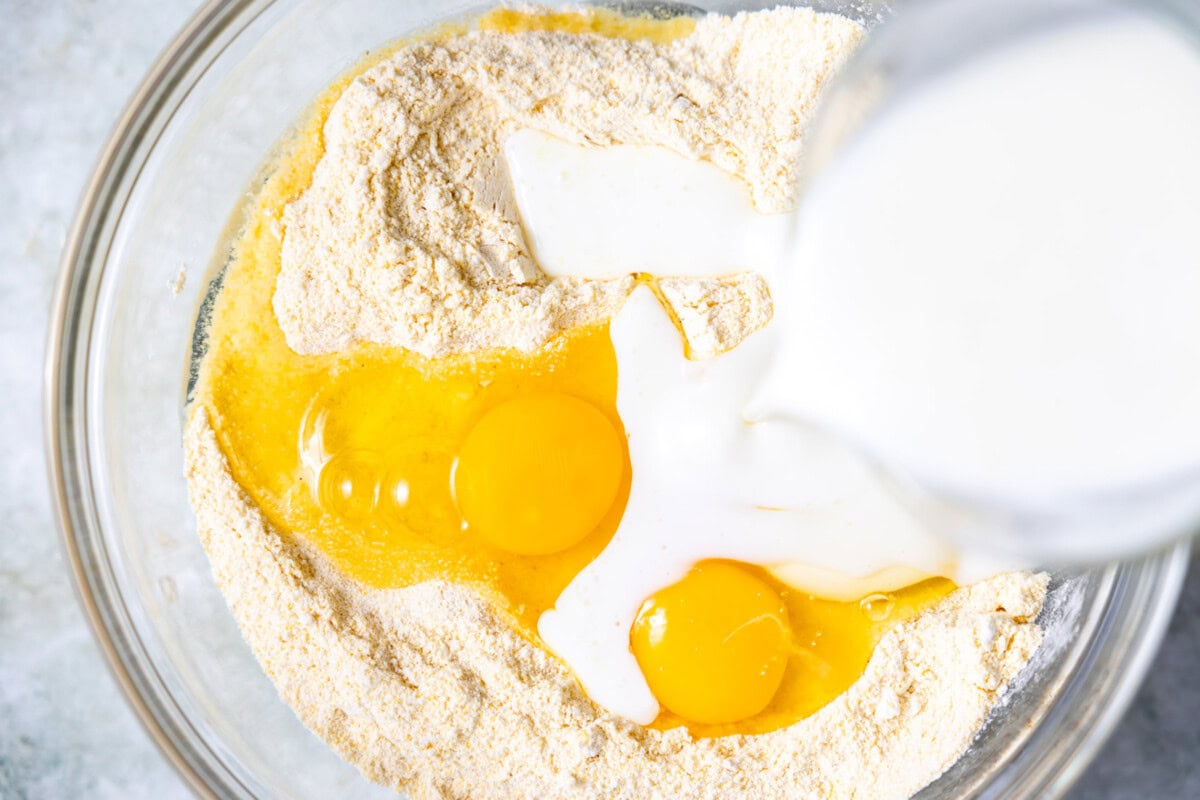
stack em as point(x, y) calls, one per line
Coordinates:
point(138, 265)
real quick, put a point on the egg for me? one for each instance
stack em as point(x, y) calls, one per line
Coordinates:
point(713, 646)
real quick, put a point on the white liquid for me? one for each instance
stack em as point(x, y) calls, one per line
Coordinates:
point(613, 211)
point(997, 285)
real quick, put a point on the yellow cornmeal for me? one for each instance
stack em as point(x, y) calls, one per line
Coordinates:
point(394, 418)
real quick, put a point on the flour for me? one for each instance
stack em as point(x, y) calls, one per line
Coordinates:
point(409, 235)
point(716, 315)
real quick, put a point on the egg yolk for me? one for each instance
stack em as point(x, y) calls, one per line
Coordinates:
point(730, 649)
point(714, 646)
point(538, 473)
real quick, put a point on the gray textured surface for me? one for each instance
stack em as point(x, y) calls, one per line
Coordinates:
point(66, 68)
point(65, 71)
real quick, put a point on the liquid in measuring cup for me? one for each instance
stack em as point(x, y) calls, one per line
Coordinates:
point(996, 280)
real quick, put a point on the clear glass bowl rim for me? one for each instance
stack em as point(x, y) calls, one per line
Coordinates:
point(1138, 610)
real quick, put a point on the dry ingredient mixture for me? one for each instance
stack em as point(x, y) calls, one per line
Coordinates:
point(407, 236)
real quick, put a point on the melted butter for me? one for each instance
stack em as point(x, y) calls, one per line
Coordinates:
point(316, 441)
point(598, 21)
point(353, 452)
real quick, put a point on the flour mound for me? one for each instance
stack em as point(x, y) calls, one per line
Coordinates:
point(409, 234)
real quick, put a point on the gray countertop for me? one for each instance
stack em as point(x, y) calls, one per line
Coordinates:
point(66, 69)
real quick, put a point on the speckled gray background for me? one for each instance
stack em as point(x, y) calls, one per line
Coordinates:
point(66, 69)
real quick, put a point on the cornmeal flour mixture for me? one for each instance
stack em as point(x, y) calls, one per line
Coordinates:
point(407, 236)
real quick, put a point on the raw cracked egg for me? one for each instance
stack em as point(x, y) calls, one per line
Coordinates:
point(714, 646)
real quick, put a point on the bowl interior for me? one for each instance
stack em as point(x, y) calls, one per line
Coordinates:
point(183, 158)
